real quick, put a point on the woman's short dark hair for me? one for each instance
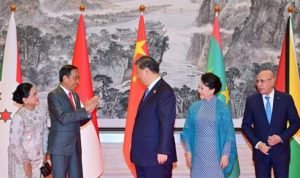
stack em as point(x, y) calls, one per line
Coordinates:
point(66, 70)
point(148, 62)
point(211, 81)
point(22, 91)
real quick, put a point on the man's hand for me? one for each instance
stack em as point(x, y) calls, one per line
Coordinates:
point(27, 169)
point(161, 158)
point(45, 157)
point(91, 104)
point(264, 148)
point(274, 139)
point(188, 157)
point(224, 161)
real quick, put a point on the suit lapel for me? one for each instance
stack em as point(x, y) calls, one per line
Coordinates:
point(275, 106)
point(66, 98)
point(151, 94)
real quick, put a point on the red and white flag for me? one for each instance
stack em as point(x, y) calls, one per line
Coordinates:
point(11, 77)
point(90, 143)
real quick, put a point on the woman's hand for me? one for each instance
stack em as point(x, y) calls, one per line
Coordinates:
point(27, 169)
point(188, 157)
point(224, 161)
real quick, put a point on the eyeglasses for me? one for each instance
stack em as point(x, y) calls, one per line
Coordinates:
point(262, 81)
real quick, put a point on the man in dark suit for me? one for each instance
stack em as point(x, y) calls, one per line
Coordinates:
point(153, 146)
point(265, 124)
point(64, 144)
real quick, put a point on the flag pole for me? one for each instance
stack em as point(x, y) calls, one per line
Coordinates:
point(92, 164)
point(11, 76)
point(292, 86)
point(291, 9)
point(136, 90)
point(216, 65)
point(13, 8)
point(217, 9)
point(142, 9)
point(81, 7)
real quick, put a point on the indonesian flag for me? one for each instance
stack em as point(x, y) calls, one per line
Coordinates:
point(11, 77)
point(288, 81)
point(137, 90)
point(90, 143)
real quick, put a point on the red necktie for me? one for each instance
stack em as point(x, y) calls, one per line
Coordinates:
point(71, 100)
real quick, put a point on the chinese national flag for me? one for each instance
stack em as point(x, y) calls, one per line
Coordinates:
point(137, 90)
point(91, 150)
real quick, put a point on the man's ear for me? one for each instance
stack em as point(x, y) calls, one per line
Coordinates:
point(65, 78)
point(148, 71)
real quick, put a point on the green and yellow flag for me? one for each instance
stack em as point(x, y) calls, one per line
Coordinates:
point(288, 81)
point(216, 66)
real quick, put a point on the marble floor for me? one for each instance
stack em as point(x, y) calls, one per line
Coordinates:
point(114, 165)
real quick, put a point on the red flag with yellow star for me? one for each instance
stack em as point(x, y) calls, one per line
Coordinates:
point(137, 90)
point(10, 77)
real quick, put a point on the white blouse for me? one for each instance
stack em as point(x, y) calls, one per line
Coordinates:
point(28, 141)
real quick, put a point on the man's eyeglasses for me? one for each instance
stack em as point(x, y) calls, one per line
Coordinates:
point(262, 81)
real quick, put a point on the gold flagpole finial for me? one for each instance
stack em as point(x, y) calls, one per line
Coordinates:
point(217, 8)
point(82, 7)
point(291, 9)
point(142, 8)
point(13, 8)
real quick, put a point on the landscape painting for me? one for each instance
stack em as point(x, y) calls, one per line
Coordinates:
point(178, 34)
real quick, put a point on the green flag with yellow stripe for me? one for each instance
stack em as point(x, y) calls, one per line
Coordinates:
point(216, 66)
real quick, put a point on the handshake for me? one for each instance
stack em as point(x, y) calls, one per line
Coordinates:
point(91, 104)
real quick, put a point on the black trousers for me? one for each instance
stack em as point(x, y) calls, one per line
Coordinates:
point(263, 168)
